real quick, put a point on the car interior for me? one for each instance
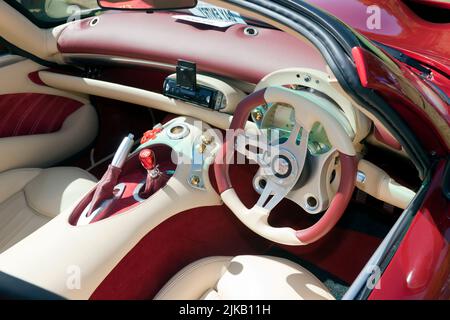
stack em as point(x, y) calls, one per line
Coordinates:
point(111, 161)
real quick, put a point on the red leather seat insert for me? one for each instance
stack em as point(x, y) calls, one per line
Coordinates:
point(24, 114)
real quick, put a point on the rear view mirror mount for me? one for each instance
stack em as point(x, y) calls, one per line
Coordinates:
point(146, 5)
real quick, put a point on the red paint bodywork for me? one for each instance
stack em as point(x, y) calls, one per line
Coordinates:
point(400, 28)
point(420, 267)
point(391, 83)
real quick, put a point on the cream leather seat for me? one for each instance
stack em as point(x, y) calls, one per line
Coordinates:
point(29, 198)
point(244, 278)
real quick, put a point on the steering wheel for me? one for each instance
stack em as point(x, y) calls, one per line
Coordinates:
point(286, 166)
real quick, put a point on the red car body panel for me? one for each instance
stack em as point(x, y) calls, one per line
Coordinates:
point(400, 28)
point(395, 88)
point(420, 267)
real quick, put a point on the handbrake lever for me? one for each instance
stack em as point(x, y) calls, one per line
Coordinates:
point(105, 187)
point(123, 151)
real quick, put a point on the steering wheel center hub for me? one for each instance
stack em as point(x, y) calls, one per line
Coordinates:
point(282, 167)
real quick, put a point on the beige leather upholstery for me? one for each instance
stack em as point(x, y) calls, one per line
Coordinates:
point(244, 278)
point(29, 198)
point(136, 96)
point(381, 186)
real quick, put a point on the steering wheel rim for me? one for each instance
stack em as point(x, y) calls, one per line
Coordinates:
point(256, 218)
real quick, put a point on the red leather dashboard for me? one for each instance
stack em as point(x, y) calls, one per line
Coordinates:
point(158, 37)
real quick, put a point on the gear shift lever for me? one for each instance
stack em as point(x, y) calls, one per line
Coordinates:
point(148, 160)
point(155, 178)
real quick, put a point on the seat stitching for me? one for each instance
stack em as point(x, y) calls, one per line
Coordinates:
point(46, 109)
point(25, 114)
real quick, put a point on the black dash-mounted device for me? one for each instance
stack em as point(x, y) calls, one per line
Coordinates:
point(185, 87)
point(187, 75)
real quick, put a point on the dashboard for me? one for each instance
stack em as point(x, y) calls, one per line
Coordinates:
point(159, 40)
point(223, 57)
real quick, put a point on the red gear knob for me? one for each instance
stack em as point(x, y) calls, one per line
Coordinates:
point(147, 158)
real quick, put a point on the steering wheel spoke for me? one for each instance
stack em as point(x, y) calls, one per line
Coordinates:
point(293, 137)
point(271, 195)
point(298, 145)
point(314, 195)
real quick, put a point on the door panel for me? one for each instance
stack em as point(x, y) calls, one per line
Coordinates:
point(39, 126)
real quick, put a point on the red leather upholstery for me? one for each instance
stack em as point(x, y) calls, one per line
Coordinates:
point(33, 113)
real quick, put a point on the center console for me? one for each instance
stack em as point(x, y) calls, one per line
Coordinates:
point(134, 177)
point(123, 187)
